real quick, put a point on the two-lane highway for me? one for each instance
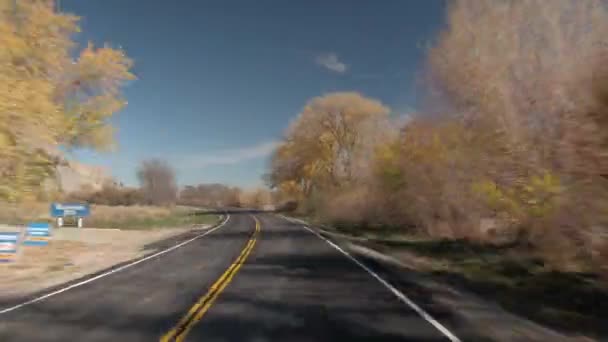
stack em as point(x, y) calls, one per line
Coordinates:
point(256, 278)
point(198, 310)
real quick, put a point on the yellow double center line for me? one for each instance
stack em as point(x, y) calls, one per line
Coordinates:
point(198, 310)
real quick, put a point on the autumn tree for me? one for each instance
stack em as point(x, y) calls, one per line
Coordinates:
point(328, 143)
point(157, 182)
point(50, 99)
point(527, 79)
point(525, 66)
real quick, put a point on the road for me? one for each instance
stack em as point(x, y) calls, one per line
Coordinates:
point(256, 278)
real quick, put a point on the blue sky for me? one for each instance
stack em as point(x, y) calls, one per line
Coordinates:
point(219, 81)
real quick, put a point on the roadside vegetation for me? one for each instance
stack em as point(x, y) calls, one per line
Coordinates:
point(142, 217)
point(210, 196)
point(122, 217)
point(222, 196)
point(505, 159)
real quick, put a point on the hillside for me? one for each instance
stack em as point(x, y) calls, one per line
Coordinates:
point(72, 176)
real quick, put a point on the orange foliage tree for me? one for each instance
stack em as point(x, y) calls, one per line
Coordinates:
point(48, 98)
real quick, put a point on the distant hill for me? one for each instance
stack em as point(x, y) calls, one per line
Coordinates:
point(73, 176)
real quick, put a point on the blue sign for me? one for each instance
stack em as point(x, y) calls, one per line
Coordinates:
point(70, 209)
point(37, 234)
point(9, 241)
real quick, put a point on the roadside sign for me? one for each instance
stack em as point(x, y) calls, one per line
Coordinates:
point(70, 209)
point(37, 234)
point(9, 242)
point(73, 210)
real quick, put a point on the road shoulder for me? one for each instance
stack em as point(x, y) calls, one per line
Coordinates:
point(470, 316)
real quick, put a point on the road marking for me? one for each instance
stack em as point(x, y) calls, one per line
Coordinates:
point(198, 310)
point(105, 274)
point(391, 288)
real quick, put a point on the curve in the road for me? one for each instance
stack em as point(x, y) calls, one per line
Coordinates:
point(198, 310)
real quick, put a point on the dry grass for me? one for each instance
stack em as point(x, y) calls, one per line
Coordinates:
point(123, 213)
point(29, 211)
point(102, 216)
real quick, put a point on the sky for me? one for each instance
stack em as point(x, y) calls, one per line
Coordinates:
point(220, 80)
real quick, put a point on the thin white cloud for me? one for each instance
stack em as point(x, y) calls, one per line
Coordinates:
point(330, 61)
point(229, 156)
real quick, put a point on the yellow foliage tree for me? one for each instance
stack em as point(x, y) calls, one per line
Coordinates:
point(325, 145)
point(48, 99)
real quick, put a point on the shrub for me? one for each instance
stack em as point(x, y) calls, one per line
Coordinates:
point(157, 182)
point(108, 195)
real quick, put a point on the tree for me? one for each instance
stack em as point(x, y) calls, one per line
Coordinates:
point(526, 80)
point(48, 98)
point(157, 182)
point(526, 66)
point(329, 142)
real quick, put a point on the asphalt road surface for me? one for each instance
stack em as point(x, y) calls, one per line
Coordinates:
point(256, 278)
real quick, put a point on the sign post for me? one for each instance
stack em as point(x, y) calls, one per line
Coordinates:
point(9, 243)
point(77, 211)
point(37, 234)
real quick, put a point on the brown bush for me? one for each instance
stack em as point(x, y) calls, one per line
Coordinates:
point(108, 195)
point(255, 198)
point(210, 196)
point(509, 68)
point(348, 206)
point(157, 182)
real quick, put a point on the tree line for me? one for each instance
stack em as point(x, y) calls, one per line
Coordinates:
point(158, 186)
point(509, 144)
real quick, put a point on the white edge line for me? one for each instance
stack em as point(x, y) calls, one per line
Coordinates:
point(391, 288)
point(123, 267)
